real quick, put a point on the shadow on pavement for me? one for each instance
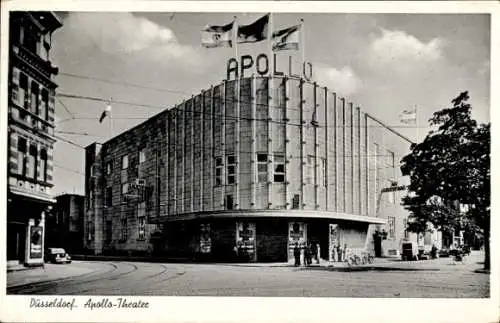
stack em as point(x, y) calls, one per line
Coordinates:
point(366, 268)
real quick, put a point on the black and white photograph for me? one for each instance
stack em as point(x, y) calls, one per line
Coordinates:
point(233, 152)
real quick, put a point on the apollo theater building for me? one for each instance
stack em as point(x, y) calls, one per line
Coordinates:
point(261, 162)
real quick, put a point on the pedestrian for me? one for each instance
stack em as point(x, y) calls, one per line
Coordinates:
point(296, 254)
point(314, 252)
point(318, 253)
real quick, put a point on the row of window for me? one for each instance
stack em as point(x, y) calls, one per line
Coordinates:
point(125, 162)
point(391, 221)
point(30, 95)
point(31, 163)
point(263, 168)
point(32, 40)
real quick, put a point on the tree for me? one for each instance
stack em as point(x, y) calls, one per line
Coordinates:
point(451, 165)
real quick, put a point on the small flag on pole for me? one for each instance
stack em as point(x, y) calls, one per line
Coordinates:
point(409, 116)
point(106, 112)
point(287, 38)
point(217, 36)
point(254, 32)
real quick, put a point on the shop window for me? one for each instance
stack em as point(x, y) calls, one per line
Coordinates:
point(218, 171)
point(141, 227)
point(279, 168)
point(124, 231)
point(392, 227)
point(125, 162)
point(142, 156)
point(229, 202)
point(262, 168)
point(231, 169)
point(21, 150)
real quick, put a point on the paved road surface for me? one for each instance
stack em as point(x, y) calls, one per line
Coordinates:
point(434, 278)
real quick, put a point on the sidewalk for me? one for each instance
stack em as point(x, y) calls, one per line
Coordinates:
point(49, 272)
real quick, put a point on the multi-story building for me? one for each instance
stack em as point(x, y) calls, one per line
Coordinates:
point(30, 133)
point(64, 225)
point(256, 164)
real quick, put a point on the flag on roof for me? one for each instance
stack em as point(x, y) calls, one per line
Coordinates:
point(287, 38)
point(408, 116)
point(217, 36)
point(254, 32)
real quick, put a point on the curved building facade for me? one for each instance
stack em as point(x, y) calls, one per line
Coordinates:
point(254, 166)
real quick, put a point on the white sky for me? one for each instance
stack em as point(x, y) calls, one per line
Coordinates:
point(384, 63)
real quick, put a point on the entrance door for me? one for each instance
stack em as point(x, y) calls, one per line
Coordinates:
point(272, 241)
point(377, 240)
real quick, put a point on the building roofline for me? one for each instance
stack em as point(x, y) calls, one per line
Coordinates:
point(389, 128)
point(275, 76)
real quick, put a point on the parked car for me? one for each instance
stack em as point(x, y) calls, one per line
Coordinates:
point(57, 256)
point(445, 252)
point(409, 251)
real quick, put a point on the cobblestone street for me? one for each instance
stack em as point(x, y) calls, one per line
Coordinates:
point(440, 278)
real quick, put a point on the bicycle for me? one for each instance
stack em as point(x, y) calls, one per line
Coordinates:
point(366, 258)
point(352, 259)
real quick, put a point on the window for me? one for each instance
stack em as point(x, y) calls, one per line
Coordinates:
point(124, 229)
point(21, 148)
point(405, 226)
point(296, 202)
point(34, 97)
point(229, 202)
point(109, 196)
point(90, 231)
point(15, 85)
point(23, 90)
point(231, 169)
point(109, 168)
point(279, 168)
point(42, 111)
point(42, 171)
point(142, 156)
point(141, 209)
point(31, 162)
point(125, 162)
point(91, 199)
point(323, 174)
point(109, 231)
point(261, 168)
point(141, 227)
point(310, 170)
point(125, 188)
point(392, 227)
point(218, 171)
point(391, 195)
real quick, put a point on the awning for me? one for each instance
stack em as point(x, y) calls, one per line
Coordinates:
point(32, 196)
point(276, 214)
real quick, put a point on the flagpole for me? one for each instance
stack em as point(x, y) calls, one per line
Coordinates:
point(303, 41)
point(270, 43)
point(416, 121)
point(235, 37)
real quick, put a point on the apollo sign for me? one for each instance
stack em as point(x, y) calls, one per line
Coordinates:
point(260, 66)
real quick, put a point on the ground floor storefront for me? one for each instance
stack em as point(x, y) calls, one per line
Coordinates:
point(265, 237)
point(25, 231)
